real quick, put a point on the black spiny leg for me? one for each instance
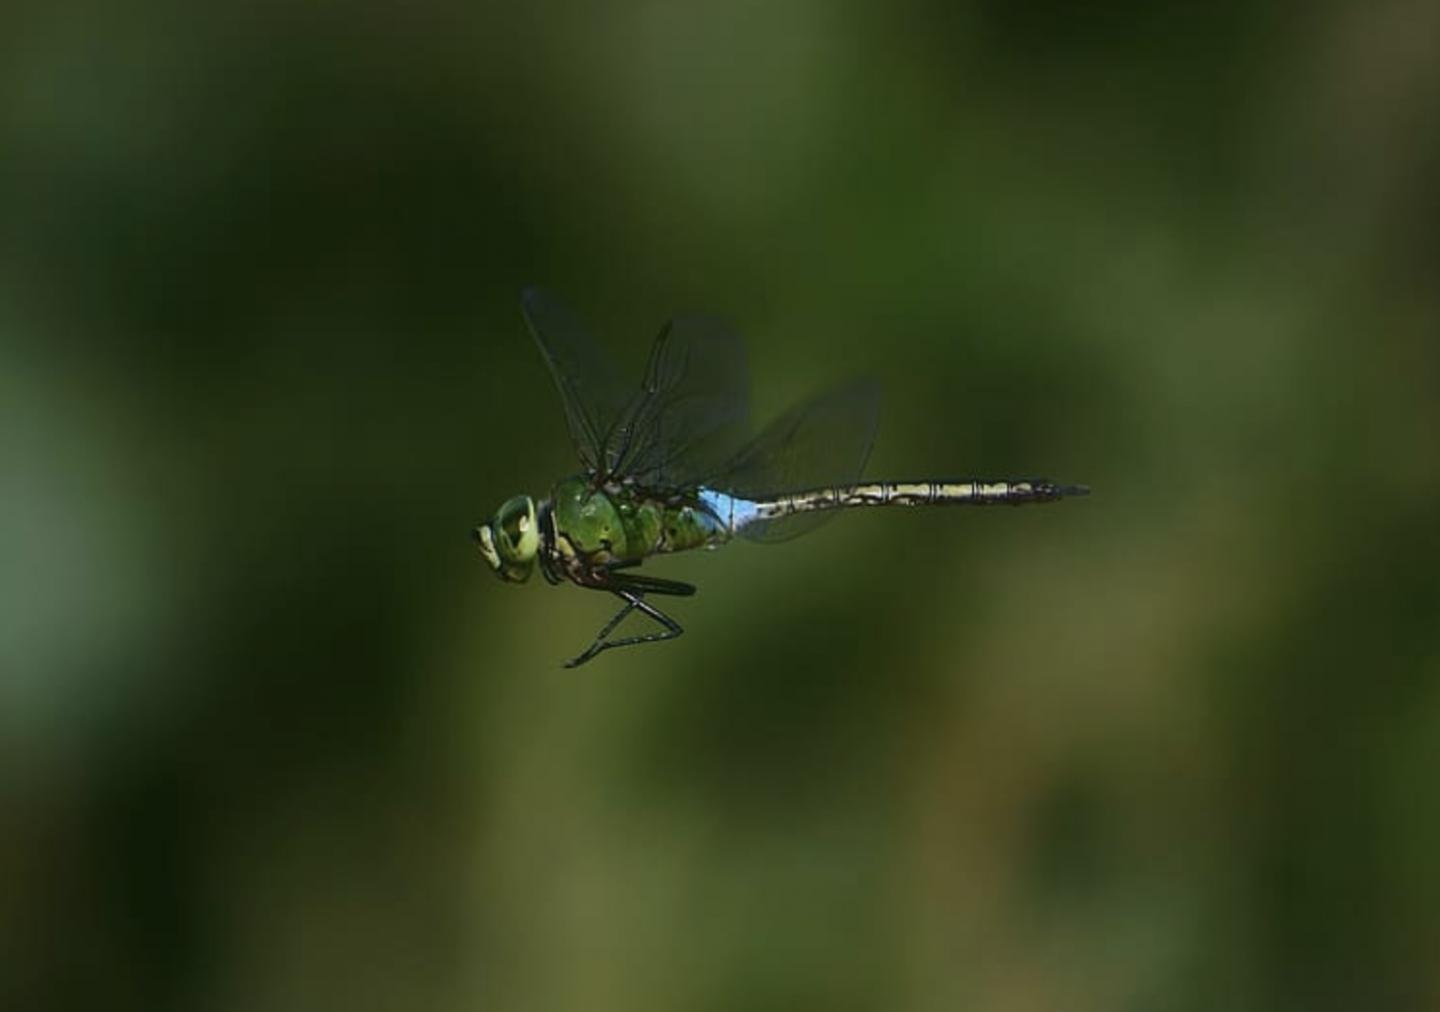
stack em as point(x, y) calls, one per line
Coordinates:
point(632, 590)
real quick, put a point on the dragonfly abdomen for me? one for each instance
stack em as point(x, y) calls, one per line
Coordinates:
point(911, 493)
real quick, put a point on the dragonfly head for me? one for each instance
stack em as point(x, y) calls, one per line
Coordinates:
point(511, 540)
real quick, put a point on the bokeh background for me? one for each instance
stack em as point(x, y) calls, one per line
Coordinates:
point(273, 736)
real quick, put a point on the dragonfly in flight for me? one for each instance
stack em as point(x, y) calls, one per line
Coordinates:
point(669, 465)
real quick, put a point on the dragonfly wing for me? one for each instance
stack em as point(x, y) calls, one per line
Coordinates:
point(595, 397)
point(693, 407)
point(821, 442)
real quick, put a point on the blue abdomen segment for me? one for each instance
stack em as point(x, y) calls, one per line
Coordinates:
point(733, 512)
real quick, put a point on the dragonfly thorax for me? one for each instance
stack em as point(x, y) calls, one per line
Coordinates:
point(510, 541)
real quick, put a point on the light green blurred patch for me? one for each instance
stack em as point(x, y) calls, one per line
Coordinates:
point(89, 608)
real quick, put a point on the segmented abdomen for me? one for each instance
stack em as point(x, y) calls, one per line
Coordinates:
point(898, 493)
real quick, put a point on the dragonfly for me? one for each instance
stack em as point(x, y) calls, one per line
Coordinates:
point(670, 465)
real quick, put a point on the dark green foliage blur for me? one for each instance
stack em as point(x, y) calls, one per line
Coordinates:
point(273, 737)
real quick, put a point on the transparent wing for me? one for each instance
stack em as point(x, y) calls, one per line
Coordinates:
point(692, 410)
point(821, 442)
point(688, 413)
point(593, 393)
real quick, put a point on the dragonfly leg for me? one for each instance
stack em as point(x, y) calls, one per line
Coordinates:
point(634, 599)
point(641, 584)
point(599, 643)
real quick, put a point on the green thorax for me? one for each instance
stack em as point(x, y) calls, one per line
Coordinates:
point(624, 523)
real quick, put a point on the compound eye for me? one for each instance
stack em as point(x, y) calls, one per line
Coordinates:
point(519, 532)
point(514, 525)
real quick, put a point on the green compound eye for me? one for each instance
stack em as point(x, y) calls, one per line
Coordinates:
point(511, 541)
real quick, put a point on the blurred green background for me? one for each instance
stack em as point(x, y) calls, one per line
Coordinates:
point(275, 738)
